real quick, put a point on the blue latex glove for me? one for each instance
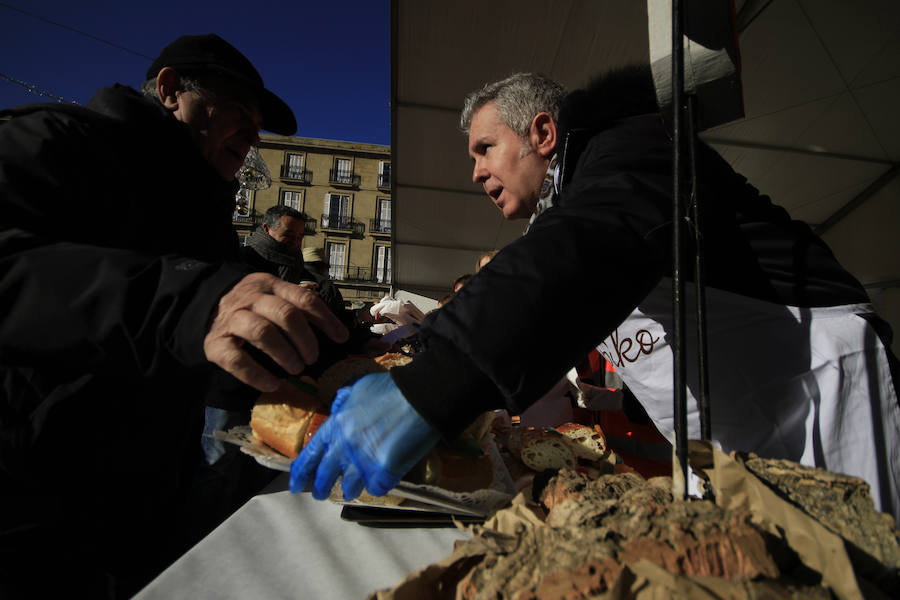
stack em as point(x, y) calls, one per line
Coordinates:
point(372, 439)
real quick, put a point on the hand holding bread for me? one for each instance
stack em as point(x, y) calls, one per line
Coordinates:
point(273, 316)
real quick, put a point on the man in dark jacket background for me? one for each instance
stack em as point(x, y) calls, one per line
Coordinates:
point(119, 319)
point(800, 364)
point(277, 247)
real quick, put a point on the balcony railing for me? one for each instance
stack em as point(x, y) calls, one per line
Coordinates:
point(337, 222)
point(252, 219)
point(343, 178)
point(380, 225)
point(367, 274)
point(290, 173)
point(343, 223)
point(384, 181)
point(309, 227)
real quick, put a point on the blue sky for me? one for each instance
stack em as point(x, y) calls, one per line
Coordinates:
point(328, 60)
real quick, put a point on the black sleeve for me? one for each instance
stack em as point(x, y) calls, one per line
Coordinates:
point(549, 297)
point(84, 307)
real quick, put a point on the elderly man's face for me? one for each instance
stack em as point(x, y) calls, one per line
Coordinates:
point(224, 124)
point(289, 231)
point(508, 168)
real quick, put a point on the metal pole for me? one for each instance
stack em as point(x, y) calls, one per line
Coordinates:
point(679, 465)
point(699, 275)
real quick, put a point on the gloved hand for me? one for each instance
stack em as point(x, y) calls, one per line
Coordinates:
point(383, 328)
point(372, 439)
point(401, 312)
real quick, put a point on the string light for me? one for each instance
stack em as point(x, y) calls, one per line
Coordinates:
point(35, 89)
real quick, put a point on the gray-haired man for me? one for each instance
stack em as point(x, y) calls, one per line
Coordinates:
point(800, 365)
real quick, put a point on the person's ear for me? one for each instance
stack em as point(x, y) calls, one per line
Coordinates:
point(542, 134)
point(266, 228)
point(168, 82)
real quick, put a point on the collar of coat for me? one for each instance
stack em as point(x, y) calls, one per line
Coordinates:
point(609, 97)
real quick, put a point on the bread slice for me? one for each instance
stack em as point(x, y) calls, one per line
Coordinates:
point(588, 443)
point(548, 452)
point(343, 372)
point(281, 418)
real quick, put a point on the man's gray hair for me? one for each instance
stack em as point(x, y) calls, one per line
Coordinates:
point(272, 218)
point(519, 98)
point(188, 84)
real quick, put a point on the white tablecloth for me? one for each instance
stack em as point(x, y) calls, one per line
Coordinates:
point(282, 545)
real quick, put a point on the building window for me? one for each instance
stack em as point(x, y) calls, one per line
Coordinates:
point(293, 199)
point(383, 264)
point(337, 259)
point(293, 168)
point(382, 221)
point(384, 174)
point(337, 211)
point(343, 169)
point(342, 173)
point(294, 163)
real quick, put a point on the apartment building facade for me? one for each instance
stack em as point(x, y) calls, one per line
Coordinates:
point(344, 189)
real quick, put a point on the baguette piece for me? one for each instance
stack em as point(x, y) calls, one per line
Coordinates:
point(281, 418)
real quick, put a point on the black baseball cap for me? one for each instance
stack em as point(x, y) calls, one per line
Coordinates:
point(209, 53)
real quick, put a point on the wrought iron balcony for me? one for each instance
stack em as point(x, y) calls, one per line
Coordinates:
point(379, 225)
point(337, 222)
point(289, 173)
point(343, 223)
point(309, 227)
point(252, 218)
point(384, 181)
point(367, 274)
point(343, 178)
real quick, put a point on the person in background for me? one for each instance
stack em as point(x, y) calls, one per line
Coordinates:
point(276, 245)
point(314, 260)
point(593, 173)
point(116, 324)
point(460, 281)
point(485, 259)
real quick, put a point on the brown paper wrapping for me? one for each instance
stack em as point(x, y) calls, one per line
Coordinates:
point(734, 486)
point(817, 547)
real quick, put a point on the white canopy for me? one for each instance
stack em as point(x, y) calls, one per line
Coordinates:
point(821, 134)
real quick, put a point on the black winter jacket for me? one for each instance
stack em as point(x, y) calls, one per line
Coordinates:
point(113, 233)
point(543, 303)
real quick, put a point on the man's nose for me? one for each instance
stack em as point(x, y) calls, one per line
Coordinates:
point(479, 173)
point(251, 134)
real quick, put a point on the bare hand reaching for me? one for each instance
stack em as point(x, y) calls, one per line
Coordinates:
point(275, 317)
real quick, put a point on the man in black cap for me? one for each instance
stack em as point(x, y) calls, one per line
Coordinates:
point(124, 307)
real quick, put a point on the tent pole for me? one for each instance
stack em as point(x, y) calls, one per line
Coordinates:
point(679, 462)
point(699, 274)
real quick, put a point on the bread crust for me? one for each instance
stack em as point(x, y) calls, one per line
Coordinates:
point(393, 359)
point(588, 443)
point(280, 419)
point(342, 372)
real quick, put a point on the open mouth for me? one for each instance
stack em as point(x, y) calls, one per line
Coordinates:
point(495, 194)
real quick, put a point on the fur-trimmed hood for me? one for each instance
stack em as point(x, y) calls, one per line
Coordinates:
point(621, 93)
point(611, 96)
